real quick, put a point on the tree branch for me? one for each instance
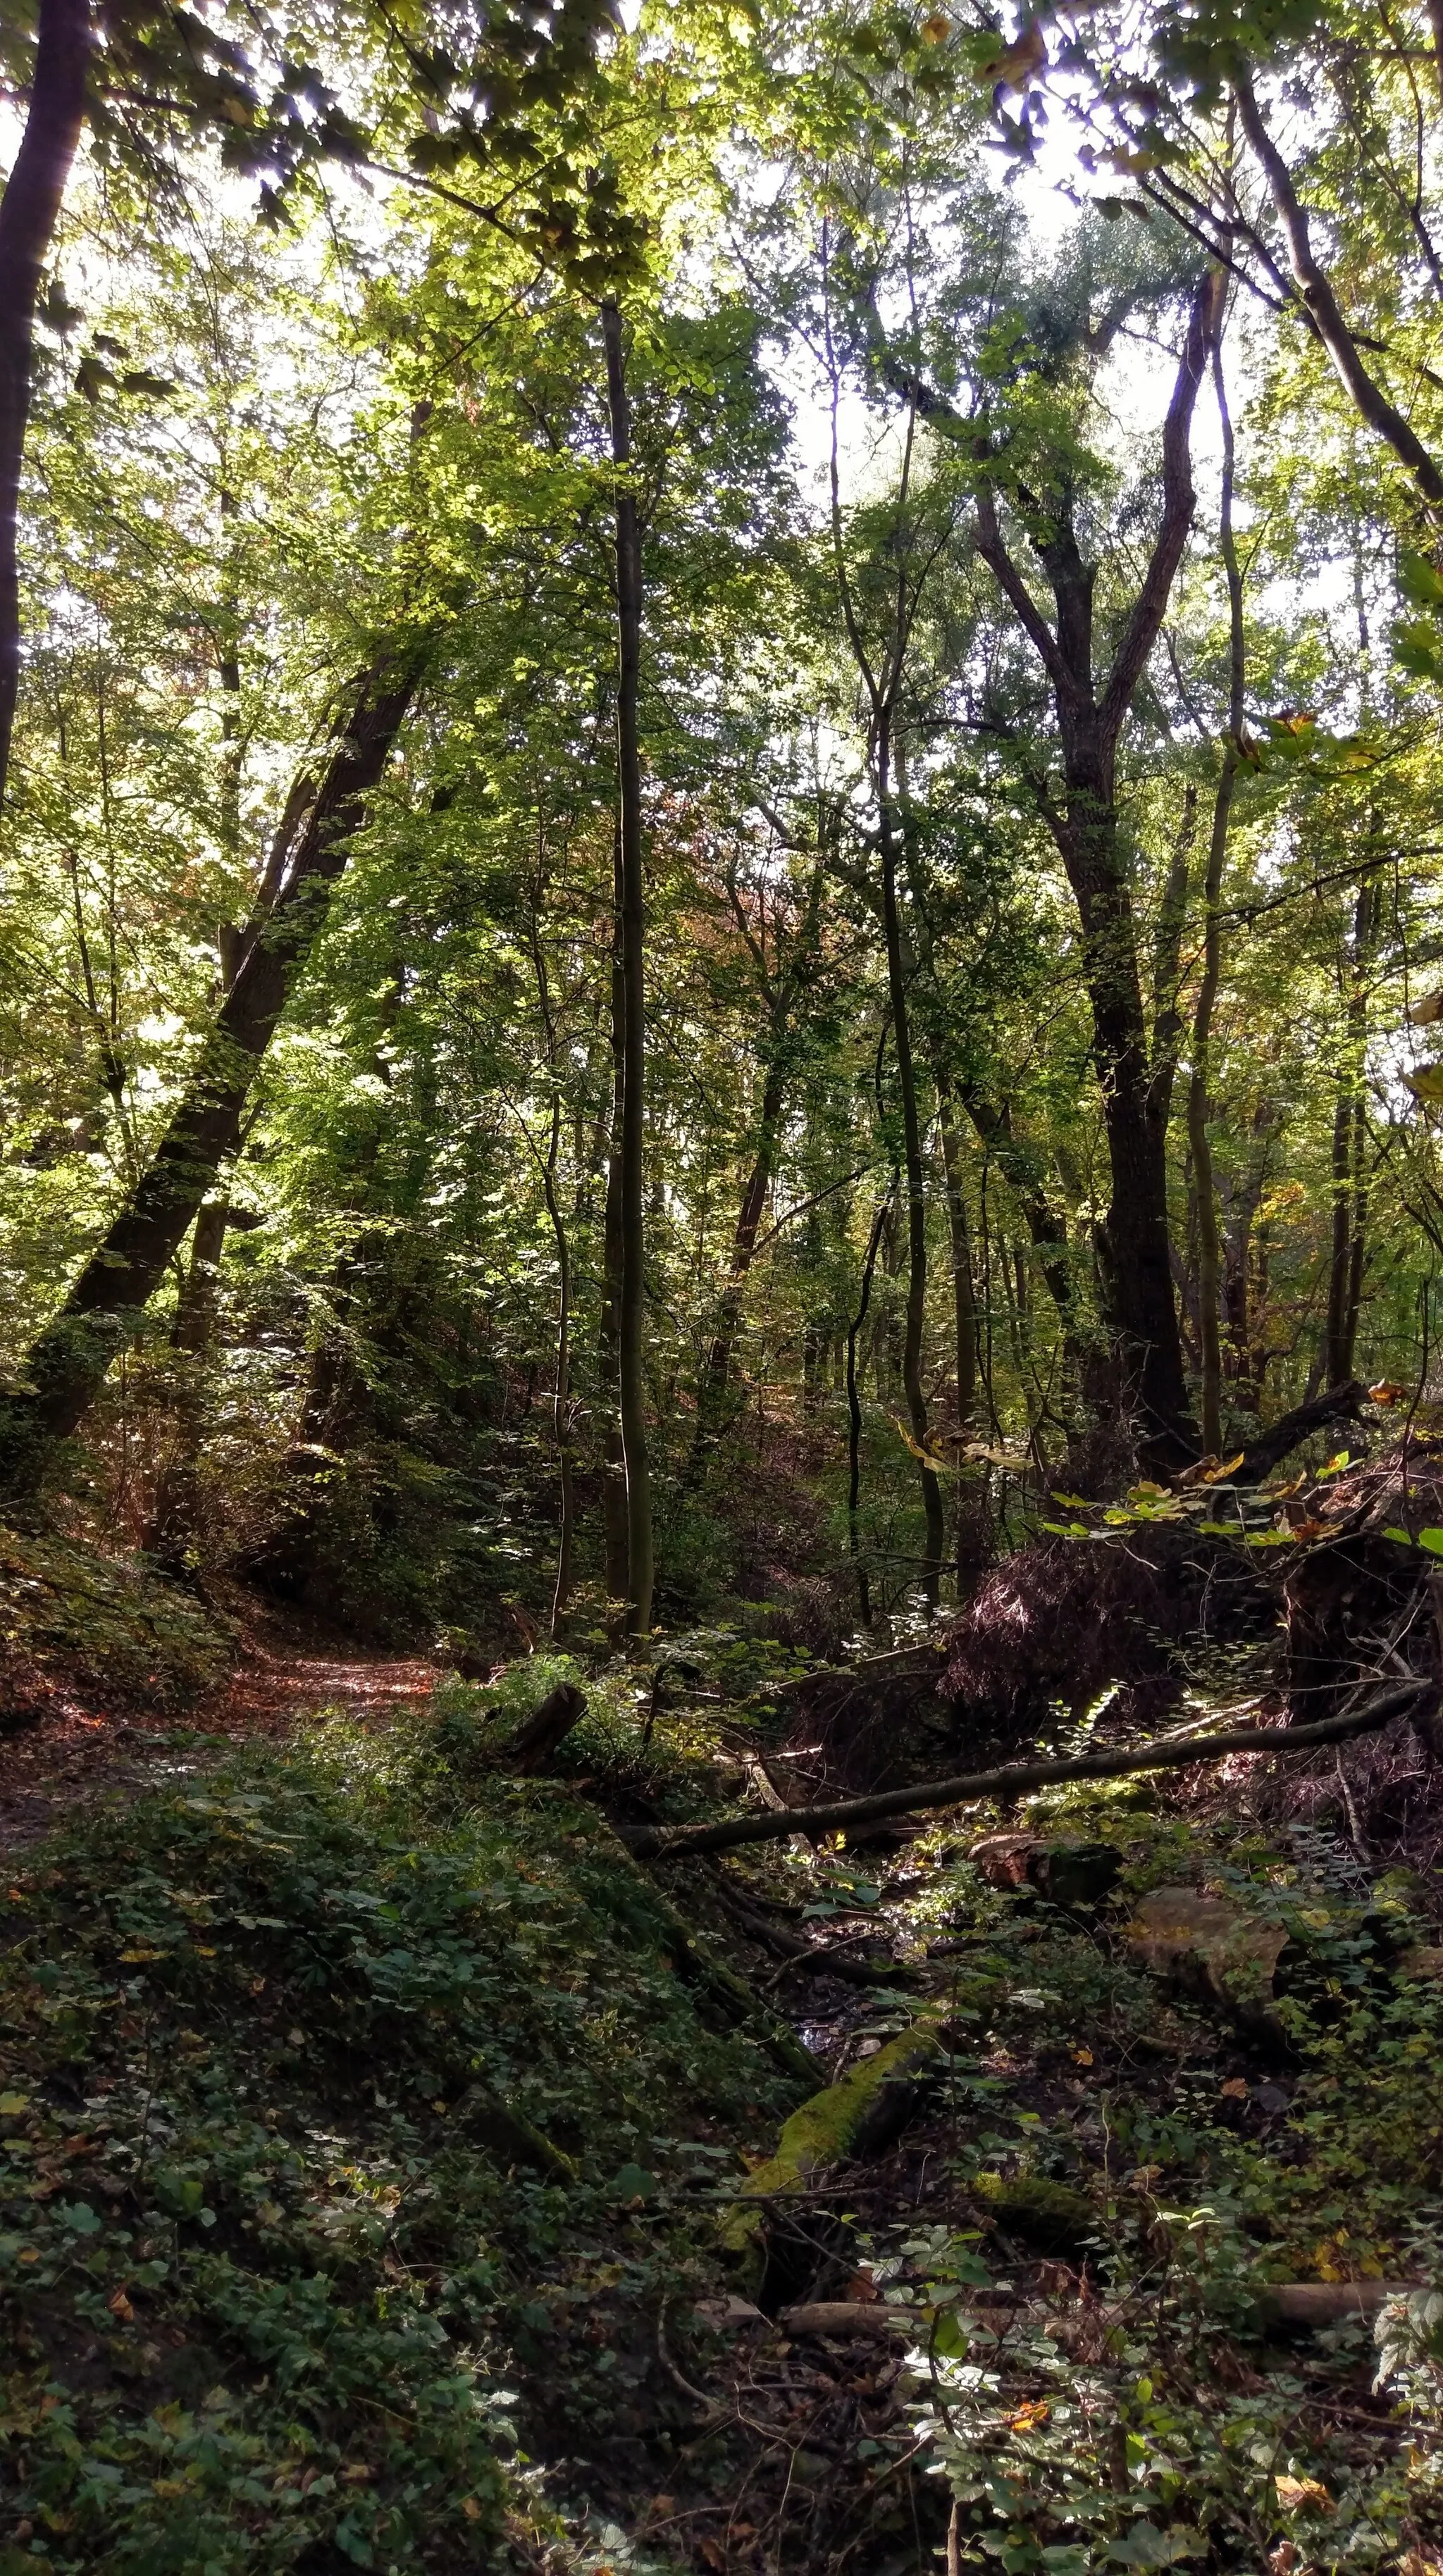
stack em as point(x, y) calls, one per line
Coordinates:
point(683, 1841)
point(1150, 605)
point(1324, 310)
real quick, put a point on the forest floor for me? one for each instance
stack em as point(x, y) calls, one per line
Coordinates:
point(400, 2178)
point(287, 1666)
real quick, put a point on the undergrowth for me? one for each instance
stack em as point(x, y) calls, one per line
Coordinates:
point(343, 2100)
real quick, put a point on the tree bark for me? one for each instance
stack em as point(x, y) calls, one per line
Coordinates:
point(1209, 1240)
point(68, 1362)
point(631, 1314)
point(29, 210)
point(1350, 1198)
point(964, 1295)
point(613, 1489)
point(936, 1535)
point(854, 1413)
point(1085, 828)
point(711, 1406)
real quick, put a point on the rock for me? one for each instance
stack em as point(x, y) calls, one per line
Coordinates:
point(1214, 1949)
point(1066, 1873)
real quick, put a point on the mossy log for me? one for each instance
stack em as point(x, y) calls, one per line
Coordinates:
point(843, 2120)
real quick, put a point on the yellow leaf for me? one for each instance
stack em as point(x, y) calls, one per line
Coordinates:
point(471, 2508)
point(1014, 66)
point(1294, 2493)
point(1228, 1467)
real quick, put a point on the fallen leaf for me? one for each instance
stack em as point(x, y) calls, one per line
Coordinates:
point(1235, 2089)
point(471, 2508)
point(1295, 2493)
point(119, 2306)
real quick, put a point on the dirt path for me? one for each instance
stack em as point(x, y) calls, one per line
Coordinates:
point(287, 1669)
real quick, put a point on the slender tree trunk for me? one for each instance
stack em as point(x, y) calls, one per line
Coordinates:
point(1208, 1236)
point(631, 1318)
point(711, 1410)
point(936, 1537)
point(561, 1400)
point(29, 210)
point(854, 1414)
point(1345, 1268)
point(68, 1362)
point(613, 1488)
point(964, 1295)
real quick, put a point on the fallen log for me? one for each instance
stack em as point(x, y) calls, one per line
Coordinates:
point(1290, 2303)
point(539, 1735)
point(1335, 1404)
point(680, 1842)
point(851, 2317)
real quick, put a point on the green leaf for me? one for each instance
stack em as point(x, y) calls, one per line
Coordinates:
point(1403, 1537)
point(12, 2104)
point(948, 2340)
point(633, 2182)
point(1432, 1539)
point(79, 2216)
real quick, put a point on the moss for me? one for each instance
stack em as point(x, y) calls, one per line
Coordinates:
point(823, 2131)
point(1046, 2214)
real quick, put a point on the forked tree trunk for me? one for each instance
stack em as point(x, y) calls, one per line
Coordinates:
point(67, 1364)
point(29, 210)
point(631, 1315)
point(1084, 824)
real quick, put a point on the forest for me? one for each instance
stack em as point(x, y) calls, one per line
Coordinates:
point(721, 1194)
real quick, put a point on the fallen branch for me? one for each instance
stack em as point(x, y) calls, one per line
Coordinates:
point(1335, 1404)
point(651, 1842)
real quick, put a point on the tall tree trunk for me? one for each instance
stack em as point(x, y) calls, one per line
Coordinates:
point(936, 1534)
point(613, 1487)
point(854, 1412)
point(29, 210)
point(561, 1400)
point(69, 1360)
point(1345, 1267)
point(964, 1295)
point(631, 1317)
point(1136, 1238)
point(1084, 824)
point(712, 1393)
point(1209, 1241)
